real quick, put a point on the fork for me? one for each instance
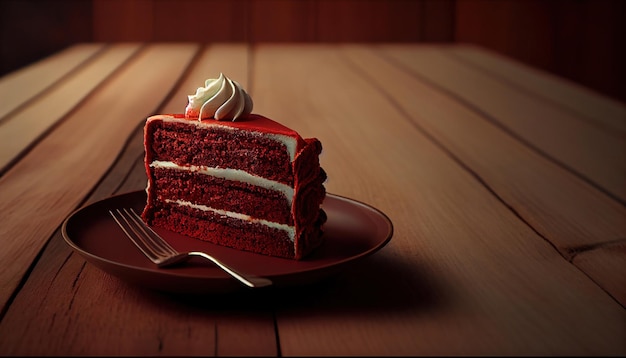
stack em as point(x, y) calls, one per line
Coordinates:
point(160, 252)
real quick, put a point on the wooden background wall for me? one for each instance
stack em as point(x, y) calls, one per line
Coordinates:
point(582, 40)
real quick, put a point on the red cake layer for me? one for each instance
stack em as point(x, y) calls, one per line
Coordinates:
point(237, 234)
point(220, 146)
point(222, 194)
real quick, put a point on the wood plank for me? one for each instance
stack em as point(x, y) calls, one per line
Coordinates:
point(188, 20)
point(56, 175)
point(273, 20)
point(437, 20)
point(594, 154)
point(23, 128)
point(291, 21)
point(606, 112)
point(18, 87)
point(368, 21)
point(497, 26)
point(123, 21)
point(82, 318)
point(463, 274)
point(559, 206)
point(179, 325)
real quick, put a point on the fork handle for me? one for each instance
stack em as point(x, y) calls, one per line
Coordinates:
point(250, 281)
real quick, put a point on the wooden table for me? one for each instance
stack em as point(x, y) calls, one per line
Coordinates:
point(506, 187)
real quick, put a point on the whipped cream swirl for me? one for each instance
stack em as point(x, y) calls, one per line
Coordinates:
point(221, 98)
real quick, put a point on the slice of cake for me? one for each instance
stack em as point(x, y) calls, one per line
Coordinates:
point(221, 174)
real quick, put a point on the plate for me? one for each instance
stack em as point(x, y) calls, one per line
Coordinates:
point(353, 231)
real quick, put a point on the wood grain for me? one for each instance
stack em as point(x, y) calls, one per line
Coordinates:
point(273, 20)
point(606, 264)
point(605, 112)
point(370, 21)
point(463, 274)
point(282, 21)
point(123, 21)
point(31, 30)
point(561, 207)
point(497, 248)
point(23, 128)
point(578, 40)
point(21, 86)
point(185, 20)
point(568, 139)
point(61, 170)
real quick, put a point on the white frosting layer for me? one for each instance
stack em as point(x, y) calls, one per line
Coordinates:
point(287, 141)
point(220, 98)
point(290, 230)
point(231, 174)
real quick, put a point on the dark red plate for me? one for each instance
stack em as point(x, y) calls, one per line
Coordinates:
point(354, 230)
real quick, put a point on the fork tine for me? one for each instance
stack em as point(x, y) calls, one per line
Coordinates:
point(154, 242)
point(156, 239)
point(136, 238)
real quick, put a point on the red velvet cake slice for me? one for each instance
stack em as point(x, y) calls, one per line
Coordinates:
point(248, 183)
